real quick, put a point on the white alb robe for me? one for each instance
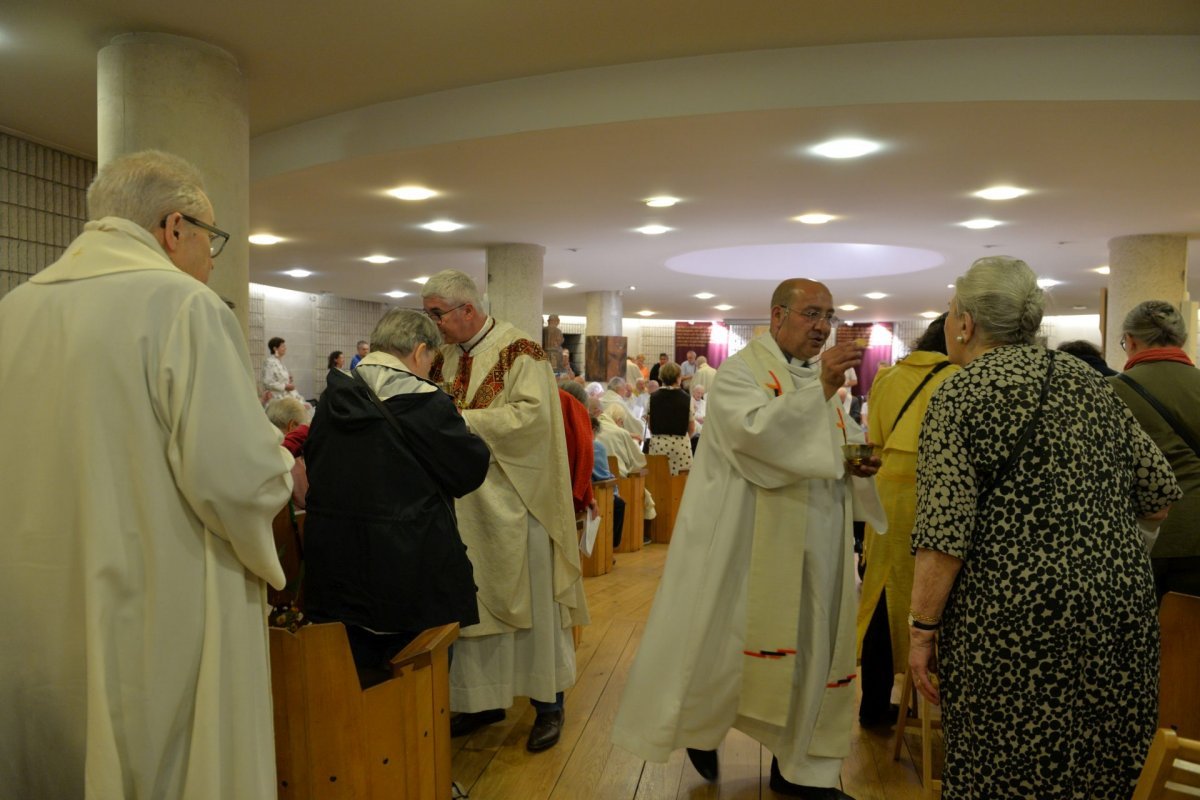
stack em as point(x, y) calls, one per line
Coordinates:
point(138, 483)
point(519, 528)
point(686, 685)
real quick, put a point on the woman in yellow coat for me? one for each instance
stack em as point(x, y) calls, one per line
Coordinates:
point(899, 397)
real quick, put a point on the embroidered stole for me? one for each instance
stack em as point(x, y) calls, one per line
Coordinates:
point(773, 601)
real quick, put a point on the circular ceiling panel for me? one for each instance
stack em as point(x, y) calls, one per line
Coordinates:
point(814, 260)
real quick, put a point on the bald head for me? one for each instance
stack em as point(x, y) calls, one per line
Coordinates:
point(794, 287)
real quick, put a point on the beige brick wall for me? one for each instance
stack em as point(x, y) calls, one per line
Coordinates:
point(42, 206)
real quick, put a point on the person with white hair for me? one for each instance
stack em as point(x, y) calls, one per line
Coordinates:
point(519, 527)
point(1032, 583)
point(290, 416)
point(705, 375)
point(137, 516)
point(616, 401)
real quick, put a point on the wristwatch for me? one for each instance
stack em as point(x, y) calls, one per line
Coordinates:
point(922, 625)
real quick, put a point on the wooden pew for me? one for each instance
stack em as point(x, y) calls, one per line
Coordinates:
point(336, 740)
point(667, 491)
point(1178, 686)
point(632, 490)
point(601, 559)
point(288, 530)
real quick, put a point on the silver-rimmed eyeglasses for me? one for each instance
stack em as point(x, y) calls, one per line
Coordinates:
point(437, 315)
point(813, 316)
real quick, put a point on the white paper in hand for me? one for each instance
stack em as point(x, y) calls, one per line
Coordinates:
point(588, 540)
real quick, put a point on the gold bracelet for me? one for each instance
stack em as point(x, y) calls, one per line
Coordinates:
point(923, 618)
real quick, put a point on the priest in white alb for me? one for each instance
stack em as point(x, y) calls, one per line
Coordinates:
point(138, 481)
point(753, 624)
point(519, 527)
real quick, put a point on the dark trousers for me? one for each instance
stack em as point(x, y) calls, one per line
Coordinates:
point(876, 670)
point(618, 520)
point(541, 706)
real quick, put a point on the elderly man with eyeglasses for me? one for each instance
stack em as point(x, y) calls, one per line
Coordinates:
point(519, 527)
point(138, 483)
point(753, 626)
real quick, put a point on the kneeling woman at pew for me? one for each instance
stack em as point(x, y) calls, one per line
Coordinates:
point(387, 453)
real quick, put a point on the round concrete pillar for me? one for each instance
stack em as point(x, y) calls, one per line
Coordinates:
point(1142, 267)
point(187, 97)
point(514, 286)
point(604, 311)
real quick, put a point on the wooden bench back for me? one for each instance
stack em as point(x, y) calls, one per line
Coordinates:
point(667, 491)
point(335, 740)
point(1172, 768)
point(1178, 684)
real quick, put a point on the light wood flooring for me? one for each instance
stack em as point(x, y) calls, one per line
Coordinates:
point(492, 763)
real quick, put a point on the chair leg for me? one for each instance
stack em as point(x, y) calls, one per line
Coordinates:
point(906, 703)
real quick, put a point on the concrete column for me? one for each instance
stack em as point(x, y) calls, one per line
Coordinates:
point(1143, 267)
point(514, 286)
point(186, 97)
point(604, 312)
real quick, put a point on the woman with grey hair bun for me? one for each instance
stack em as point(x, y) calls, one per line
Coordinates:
point(1031, 574)
point(1161, 386)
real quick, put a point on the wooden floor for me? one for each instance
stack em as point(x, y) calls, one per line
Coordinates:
point(492, 763)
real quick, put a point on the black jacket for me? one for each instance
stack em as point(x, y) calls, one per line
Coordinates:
point(382, 549)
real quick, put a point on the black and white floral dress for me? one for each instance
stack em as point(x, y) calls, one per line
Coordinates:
point(1048, 655)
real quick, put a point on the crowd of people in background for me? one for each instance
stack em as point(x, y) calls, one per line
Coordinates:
point(1025, 511)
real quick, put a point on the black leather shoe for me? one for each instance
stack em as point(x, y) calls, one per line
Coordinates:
point(547, 727)
point(705, 762)
point(781, 785)
point(462, 724)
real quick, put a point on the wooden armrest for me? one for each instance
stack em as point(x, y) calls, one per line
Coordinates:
point(608, 482)
point(419, 652)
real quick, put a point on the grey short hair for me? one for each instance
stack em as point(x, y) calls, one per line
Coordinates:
point(145, 187)
point(594, 389)
point(575, 390)
point(616, 383)
point(1002, 296)
point(402, 329)
point(701, 361)
point(1156, 323)
point(283, 410)
point(455, 286)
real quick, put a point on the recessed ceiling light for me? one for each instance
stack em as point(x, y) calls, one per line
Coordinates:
point(1046, 283)
point(1001, 192)
point(663, 201)
point(562, 285)
point(704, 296)
point(949, 285)
point(848, 307)
point(845, 148)
point(412, 193)
point(421, 279)
point(442, 226)
point(980, 224)
point(814, 219)
point(723, 307)
point(646, 313)
point(298, 273)
point(397, 294)
point(875, 295)
point(264, 238)
point(379, 259)
point(653, 230)
point(930, 314)
point(633, 288)
point(1102, 270)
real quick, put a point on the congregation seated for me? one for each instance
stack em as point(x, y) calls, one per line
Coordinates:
point(289, 415)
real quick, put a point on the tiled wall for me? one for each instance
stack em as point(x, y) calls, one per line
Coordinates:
point(313, 326)
point(42, 206)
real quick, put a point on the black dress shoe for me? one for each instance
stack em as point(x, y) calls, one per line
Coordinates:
point(781, 785)
point(462, 724)
point(547, 727)
point(705, 762)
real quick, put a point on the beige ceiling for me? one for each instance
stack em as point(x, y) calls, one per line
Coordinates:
point(546, 122)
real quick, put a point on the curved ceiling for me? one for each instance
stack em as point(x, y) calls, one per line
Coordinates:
point(549, 123)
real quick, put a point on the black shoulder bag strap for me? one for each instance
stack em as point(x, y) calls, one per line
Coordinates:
point(1171, 419)
point(936, 369)
point(395, 423)
point(1019, 448)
